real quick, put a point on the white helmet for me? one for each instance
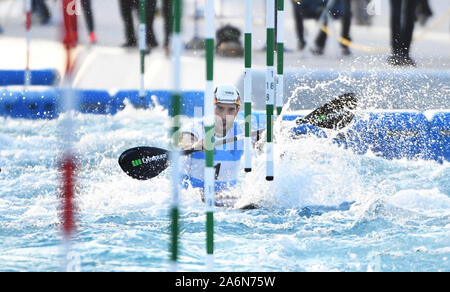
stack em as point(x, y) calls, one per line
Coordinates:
point(227, 93)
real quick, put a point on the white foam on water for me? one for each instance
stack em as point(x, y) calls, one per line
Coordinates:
point(422, 201)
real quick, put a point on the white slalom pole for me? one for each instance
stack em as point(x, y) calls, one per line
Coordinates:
point(177, 45)
point(270, 87)
point(280, 56)
point(209, 176)
point(27, 76)
point(248, 86)
point(142, 45)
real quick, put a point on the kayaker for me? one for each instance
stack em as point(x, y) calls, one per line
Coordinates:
point(226, 157)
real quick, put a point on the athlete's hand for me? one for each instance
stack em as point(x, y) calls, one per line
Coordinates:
point(188, 141)
point(199, 145)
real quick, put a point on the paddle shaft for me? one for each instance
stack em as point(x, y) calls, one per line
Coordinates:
point(256, 133)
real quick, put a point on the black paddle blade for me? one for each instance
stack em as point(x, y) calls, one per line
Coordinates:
point(334, 115)
point(144, 162)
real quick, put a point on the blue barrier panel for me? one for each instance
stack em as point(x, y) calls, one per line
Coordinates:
point(290, 117)
point(160, 96)
point(305, 129)
point(45, 104)
point(95, 102)
point(393, 135)
point(358, 137)
point(133, 97)
point(29, 104)
point(191, 101)
point(439, 136)
point(46, 77)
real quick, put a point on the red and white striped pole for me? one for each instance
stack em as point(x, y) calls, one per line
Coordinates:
point(27, 76)
point(68, 163)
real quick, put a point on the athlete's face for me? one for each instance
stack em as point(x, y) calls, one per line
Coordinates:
point(225, 116)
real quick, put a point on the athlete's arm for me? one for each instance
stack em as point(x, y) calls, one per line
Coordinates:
point(189, 141)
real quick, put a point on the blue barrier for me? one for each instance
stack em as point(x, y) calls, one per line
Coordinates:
point(29, 104)
point(46, 104)
point(151, 97)
point(391, 135)
point(45, 77)
point(439, 137)
point(96, 102)
point(191, 101)
point(357, 138)
point(305, 129)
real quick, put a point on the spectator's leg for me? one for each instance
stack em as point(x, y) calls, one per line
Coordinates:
point(298, 15)
point(408, 26)
point(126, 7)
point(45, 12)
point(320, 41)
point(346, 20)
point(423, 11)
point(150, 10)
point(87, 10)
point(346, 24)
point(35, 6)
point(396, 9)
point(167, 8)
point(426, 8)
point(40, 7)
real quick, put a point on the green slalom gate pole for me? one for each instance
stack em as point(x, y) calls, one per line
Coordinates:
point(248, 86)
point(209, 130)
point(270, 87)
point(280, 56)
point(142, 45)
point(177, 47)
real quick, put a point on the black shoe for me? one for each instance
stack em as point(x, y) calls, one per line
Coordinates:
point(407, 61)
point(317, 51)
point(396, 60)
point(301, 45)
point(346, 51)
point(45, 20)
point(152, 44)
point(129, 45)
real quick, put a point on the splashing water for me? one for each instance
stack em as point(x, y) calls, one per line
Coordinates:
point(327, 209)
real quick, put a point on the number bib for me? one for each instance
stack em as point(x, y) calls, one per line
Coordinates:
point(227, 159)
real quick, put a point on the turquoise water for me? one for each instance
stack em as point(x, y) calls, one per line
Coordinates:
point(327, 210)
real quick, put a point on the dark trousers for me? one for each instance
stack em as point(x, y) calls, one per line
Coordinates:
point(346, 23)
point(126, 8)
point(167, 13)
point(402, 26)
point(87, 10)
point(298, 16)
point(322, 37)
point(424, 8)
point(41, 8)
